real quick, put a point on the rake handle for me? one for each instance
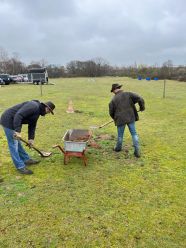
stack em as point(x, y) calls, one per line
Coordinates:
point(105, 124)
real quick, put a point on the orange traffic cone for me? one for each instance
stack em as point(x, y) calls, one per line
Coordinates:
point(70, 108)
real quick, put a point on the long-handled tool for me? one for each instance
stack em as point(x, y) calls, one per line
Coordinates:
point(103, 125)
point(42, 153)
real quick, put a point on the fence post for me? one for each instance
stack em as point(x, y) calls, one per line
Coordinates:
point(41, 89)
point(164, 86)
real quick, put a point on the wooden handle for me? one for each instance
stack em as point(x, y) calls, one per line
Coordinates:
point(106, 124)
point(37, 150)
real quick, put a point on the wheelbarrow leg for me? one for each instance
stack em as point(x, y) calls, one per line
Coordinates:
point(68, 154)
point(84, 158)
point(66, 159)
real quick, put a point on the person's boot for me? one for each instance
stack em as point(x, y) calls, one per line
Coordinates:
point(25, 171)
point(31, 162)
point(137, 153)
point(116, 149)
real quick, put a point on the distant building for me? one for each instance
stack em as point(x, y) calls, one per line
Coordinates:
point(38, 75)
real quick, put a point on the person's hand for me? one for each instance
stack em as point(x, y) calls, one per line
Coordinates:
point(17, 135)
point(30, 143)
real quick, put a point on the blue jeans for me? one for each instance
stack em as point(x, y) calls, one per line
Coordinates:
point(17, 152)
point(133, 133)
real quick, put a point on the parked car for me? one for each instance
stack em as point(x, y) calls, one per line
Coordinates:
point(2, 82)
point(17, 78)
point(14, 79)
point(20, 78)
point(24, 77)
point(6, 78)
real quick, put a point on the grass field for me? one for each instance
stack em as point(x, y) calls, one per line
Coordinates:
point(117, 200)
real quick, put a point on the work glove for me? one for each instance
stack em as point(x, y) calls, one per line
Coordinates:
point(30, 143)
point(17, 135)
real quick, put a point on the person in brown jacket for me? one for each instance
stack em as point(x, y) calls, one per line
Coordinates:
point(123, 111)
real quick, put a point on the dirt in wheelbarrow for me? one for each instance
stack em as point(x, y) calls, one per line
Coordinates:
point(78, 135)
point(85, 135)
point(80, 138)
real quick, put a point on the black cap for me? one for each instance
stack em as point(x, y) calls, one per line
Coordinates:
point(115, 86)
point(50, 106)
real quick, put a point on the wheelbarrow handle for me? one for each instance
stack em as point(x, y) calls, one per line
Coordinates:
point(60, 148)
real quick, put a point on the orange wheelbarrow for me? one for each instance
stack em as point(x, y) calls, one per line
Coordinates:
point(75, 142)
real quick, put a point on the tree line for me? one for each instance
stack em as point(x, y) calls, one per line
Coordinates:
point(92, 68)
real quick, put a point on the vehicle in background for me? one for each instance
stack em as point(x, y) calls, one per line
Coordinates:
point(6, 78)
point(16, 78)
point(25, 77)
point(38, 75)
point(2, 82)
point(20, 78)
point(13, 79)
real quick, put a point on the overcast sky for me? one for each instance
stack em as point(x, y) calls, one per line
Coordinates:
point(120, 31)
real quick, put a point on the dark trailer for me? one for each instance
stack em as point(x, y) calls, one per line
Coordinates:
point(38, 75)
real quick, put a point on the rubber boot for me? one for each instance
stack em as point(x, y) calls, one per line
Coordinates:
point(137, 152)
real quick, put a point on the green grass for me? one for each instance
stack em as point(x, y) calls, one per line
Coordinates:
point(117, 200)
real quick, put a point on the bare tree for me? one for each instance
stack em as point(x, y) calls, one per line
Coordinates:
point(43, 63)
point(3, 60)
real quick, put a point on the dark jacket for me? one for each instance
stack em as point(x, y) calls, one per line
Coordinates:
point(122, 107)
point(23, 113)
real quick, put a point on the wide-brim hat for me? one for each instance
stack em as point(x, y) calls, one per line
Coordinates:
point(50, 106)
point(115, 86)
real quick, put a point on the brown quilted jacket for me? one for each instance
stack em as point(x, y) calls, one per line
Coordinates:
point(122, 107)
